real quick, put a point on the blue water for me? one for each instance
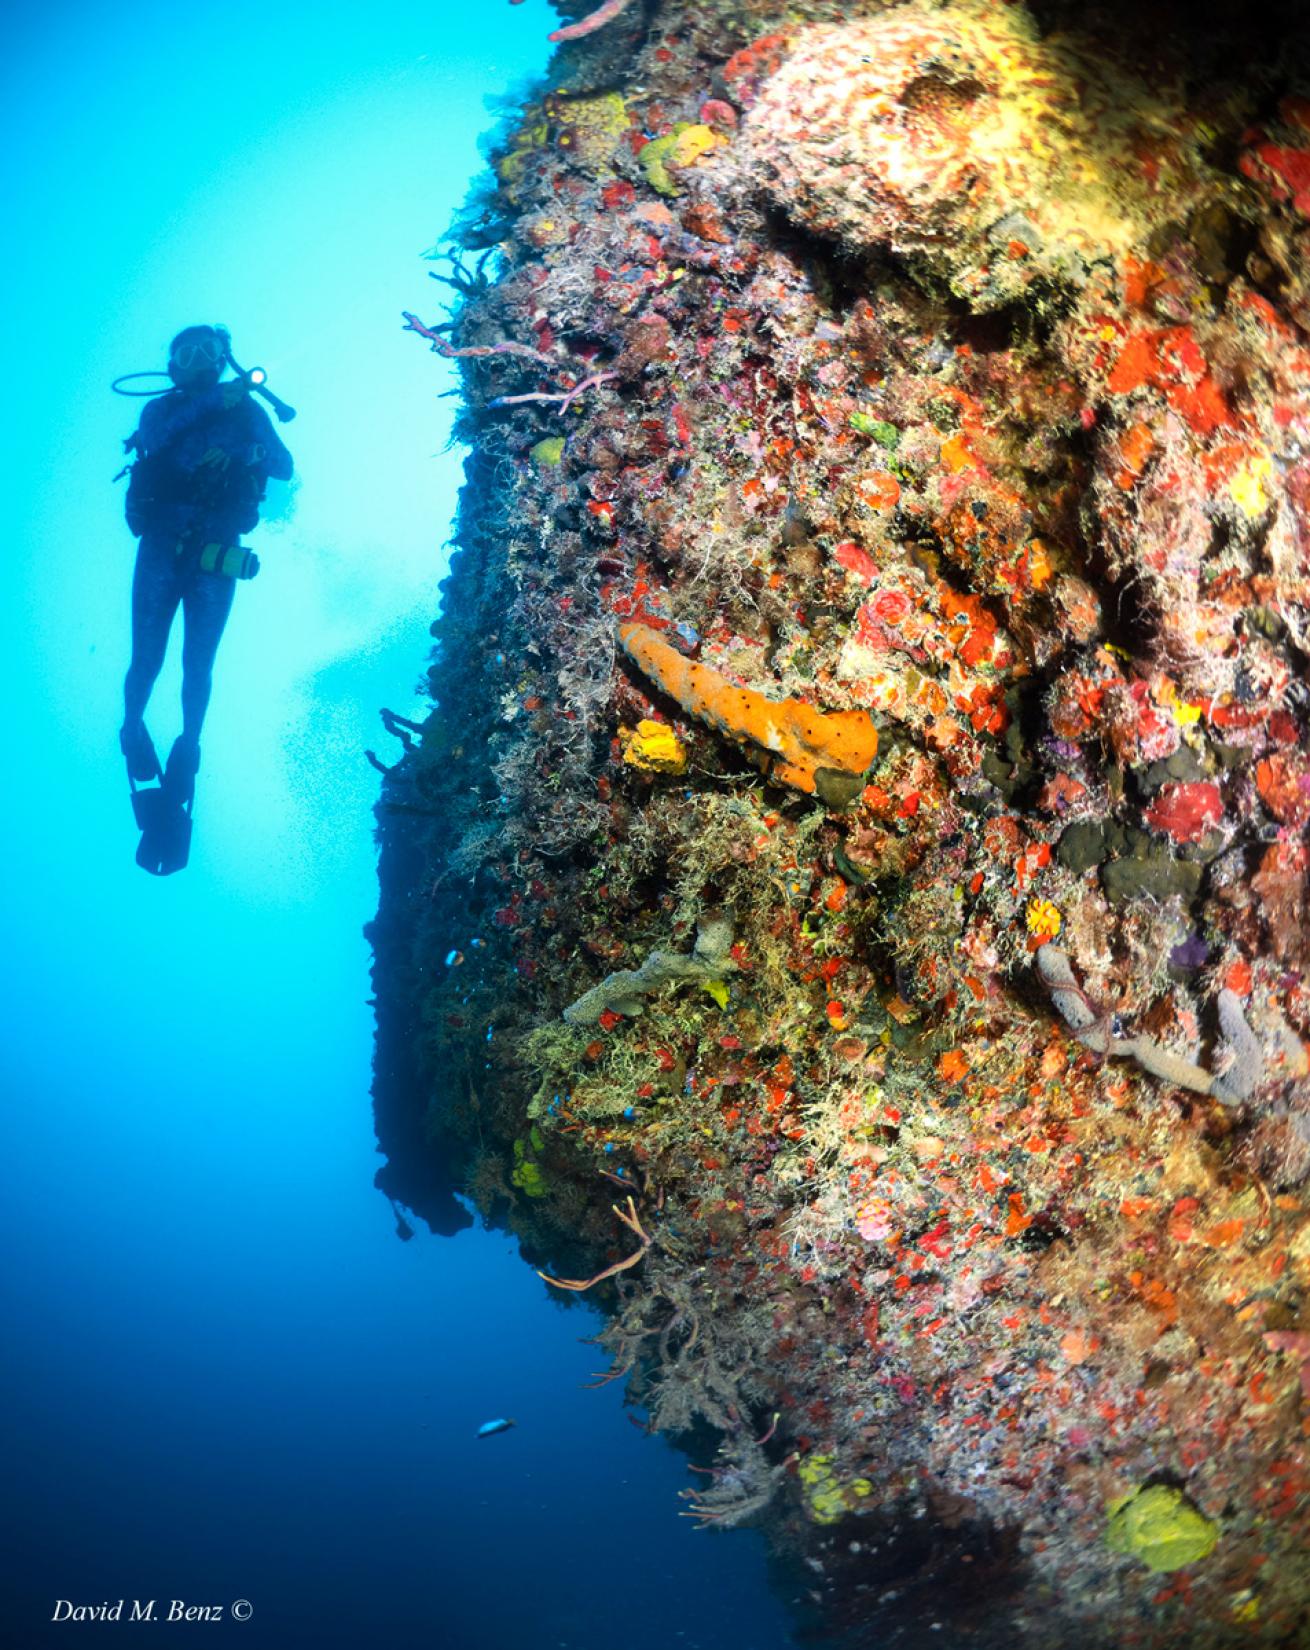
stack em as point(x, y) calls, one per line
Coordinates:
point(224, 1377)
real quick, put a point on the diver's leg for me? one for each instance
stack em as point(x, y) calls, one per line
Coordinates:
point(156, 591)
point(206, 603)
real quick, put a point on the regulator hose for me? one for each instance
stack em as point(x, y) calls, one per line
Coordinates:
point(256, 377)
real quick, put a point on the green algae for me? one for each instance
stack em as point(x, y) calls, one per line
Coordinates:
point(826, 1499)
point(526, 1173)
point(885, 434)
point(548, 451)
point(680, 147)
point(1161, 1527)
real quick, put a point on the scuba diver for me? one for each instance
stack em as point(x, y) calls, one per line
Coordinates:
point(204, 452)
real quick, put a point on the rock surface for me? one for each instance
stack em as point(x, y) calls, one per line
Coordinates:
point(948, 368)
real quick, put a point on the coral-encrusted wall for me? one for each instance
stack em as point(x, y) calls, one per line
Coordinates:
point(851, 887)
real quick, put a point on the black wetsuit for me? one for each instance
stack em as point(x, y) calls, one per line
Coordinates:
point(192, 505)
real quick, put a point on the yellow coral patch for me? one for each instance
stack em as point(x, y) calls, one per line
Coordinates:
point(691, 143)
point(828, 1500)
point(681, 147)
point(956, 455)
point(1247, 487)
point(1040, 569)
point(1043, 919)
point(654, 163)
point(592, 128)
point(1184, 713)
point(653, 747)
point(531, 135)
point(549, 450)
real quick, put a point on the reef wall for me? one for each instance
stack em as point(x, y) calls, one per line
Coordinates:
point(845, 911)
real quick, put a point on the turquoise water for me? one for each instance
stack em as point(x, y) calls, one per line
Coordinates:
point(226, 1379)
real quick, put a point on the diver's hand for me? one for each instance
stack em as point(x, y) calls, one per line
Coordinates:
point(215, 461)
point(233, 390)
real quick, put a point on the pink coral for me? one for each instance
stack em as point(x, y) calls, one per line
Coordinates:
point(593, 21)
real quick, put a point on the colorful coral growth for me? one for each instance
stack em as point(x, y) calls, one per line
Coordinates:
point(966, 140)
point(793, 742)
point(862, 814)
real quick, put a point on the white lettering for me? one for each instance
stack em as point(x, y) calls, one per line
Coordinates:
point(179, 1610)
point(66, 1610)
point(142, 1612)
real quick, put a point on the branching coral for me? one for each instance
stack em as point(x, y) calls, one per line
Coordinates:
point(743, 1481)
point(795, 743)
point(594, 20)
point(632, 1222)
point(563, 399)
point(441, 346)
point(507, 348)
point(692, 1364)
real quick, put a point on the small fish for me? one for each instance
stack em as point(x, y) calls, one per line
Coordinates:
point(489, 1428)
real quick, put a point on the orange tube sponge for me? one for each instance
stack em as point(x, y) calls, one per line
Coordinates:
point(813, 750)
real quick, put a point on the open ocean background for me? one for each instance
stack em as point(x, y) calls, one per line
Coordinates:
point(224, 1377)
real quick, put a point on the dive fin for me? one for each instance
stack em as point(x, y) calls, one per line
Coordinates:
point(165, 826)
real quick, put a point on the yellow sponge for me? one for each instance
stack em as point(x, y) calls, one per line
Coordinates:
point(1161, 1527)
point(654, 747)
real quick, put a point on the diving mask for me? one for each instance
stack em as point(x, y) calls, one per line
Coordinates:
point(203, 351)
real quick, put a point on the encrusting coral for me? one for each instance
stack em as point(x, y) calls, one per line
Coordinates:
point(624, 991)
point(862, 814)
point(965, 139)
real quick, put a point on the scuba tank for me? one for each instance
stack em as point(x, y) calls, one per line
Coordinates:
point(147, 487)
point(154, 481)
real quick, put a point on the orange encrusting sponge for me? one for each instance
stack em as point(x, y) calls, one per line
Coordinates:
point(788, 739)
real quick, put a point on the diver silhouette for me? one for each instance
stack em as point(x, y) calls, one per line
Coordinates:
point(205, 450)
